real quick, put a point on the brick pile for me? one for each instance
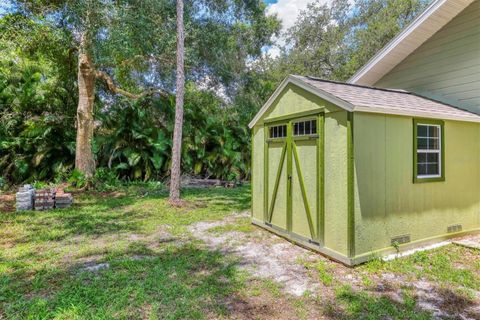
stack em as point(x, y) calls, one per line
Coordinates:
point(44, 199)
point(62, 199)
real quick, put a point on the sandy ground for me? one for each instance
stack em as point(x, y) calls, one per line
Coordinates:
point(268, 256)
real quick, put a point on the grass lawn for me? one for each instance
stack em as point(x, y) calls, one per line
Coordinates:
point(128, 255)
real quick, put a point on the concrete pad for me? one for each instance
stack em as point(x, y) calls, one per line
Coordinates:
point(471, 242)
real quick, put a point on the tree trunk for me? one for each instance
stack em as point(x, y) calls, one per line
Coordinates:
point(177, 132)
point(84, 160)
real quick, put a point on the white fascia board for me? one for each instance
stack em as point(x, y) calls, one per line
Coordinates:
point(267, 104)
point(307, 87)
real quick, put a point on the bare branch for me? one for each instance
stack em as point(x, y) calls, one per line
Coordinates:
point(113, 88)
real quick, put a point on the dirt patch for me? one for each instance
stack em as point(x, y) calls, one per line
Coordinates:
point(296, 270)
point(441, 302)
point(258, 302)
point(276, 261)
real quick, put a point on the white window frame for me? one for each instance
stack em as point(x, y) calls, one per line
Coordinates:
point(437, 151)
point(305, 134)
point(276, 128)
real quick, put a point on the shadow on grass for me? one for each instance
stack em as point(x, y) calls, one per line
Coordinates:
point(97, 214)
point(455, 303)
point(184, 282)
point(238, 199)
point(350, 305)
point(180, 283)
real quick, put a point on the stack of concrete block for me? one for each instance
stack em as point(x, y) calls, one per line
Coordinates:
point(62, 199)
point(44, 199)
point(25, 198)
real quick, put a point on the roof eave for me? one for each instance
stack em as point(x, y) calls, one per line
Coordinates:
point(297, 81)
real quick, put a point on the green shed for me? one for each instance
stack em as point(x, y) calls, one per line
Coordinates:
point(356, 172)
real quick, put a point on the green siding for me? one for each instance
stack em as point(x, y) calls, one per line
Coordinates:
point(257, 172)
point(447, 66)
point(388, 203)
point(294, 100)
point(336, 182)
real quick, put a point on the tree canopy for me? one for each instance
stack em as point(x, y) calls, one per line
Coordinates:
point(131, 47)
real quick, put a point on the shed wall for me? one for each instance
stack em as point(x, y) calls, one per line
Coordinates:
point(336, 182)
point(447, 66)
point(388, 203)
point(291, 101)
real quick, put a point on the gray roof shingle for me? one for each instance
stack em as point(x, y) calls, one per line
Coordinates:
point(353, 97)
point(370, 99)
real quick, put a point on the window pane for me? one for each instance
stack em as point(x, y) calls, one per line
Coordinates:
point(422, 143)
point(432, 169)
point(307, 127)
point(432, 157)
point(433, 131)
point(421, 157)
point(422, 169)
point(422, 130)
point(433, 143)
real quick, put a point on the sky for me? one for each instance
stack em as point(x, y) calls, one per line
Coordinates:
point(3, 8)
point(287, 11)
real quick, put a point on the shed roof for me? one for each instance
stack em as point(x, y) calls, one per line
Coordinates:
point(435, 16)
point(353, 97)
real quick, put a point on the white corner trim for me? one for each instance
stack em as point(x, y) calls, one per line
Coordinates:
point(307, 87)
point(380, 55)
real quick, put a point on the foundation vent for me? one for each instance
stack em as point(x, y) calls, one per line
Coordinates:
point(400, 239)
point(454, 228)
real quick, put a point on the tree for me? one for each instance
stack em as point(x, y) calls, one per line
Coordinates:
point(128, 46)
point(177, 131)
point(318, 40)
point(37, 101)
point(333, 40)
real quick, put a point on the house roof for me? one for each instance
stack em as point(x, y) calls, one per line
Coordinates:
point(359, 98)
point(437, 15)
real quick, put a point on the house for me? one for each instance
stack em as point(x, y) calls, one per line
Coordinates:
point(388, 161)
